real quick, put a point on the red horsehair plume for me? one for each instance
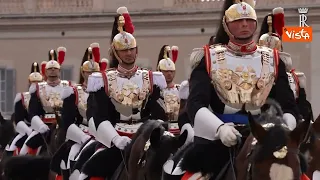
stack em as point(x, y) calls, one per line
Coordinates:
point(278, 20)
point(128, 26)
point(95, 51)
point(43, 68)
point(174, 52)
point(103, 64)
point(61, 54)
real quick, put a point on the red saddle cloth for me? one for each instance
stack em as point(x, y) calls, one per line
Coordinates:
point(193, 176)
point(304, 177)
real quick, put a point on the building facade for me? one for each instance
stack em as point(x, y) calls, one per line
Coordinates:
point(32, 27)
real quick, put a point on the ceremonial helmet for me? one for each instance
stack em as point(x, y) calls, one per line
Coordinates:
point(271, 29)
point(35, 75)
point(91, 59)
point(122, 38)
point(164, 61)
point(55, 60)
point(234, 10)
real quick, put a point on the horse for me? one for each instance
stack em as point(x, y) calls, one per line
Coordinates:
point(7, 132)
point(151, 146)
point(36, 167)
point(311, 149)
point(271, 151)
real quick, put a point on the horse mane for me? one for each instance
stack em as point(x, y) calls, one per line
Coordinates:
point(276, 136)
point(136, 148)
point(274, 140)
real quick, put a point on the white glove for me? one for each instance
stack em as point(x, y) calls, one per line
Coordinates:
point(290, 121)
point(44, 129)
point(228, 134)
point(121, 141)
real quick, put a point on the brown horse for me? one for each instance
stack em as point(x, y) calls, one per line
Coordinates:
point(271, 152)
point(36, 167)
point(150, 148)
point(311, 149)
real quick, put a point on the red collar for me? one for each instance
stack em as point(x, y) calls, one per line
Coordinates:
point(127, 73)
point(248, 48)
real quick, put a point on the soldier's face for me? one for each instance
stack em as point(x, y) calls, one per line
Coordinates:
point(128, 56)
point(243, 28)
point(52, 73)
point(169, 75)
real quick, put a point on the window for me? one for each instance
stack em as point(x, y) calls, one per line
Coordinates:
point(7, 90)
point(67, 73)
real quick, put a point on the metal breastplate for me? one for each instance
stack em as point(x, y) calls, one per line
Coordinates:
point(245, 79)
point(128, 94)
point(51, 96)
point(25, 99)
point(293, 85)
point(172, 102)
point(82, 101)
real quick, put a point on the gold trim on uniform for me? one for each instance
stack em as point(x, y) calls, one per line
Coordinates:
point(51, 101)
point(82, 101)
point(242, 80)
point(172, 102)
point(130, 94)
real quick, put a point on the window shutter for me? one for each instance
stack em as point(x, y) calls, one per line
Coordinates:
point(67, 73)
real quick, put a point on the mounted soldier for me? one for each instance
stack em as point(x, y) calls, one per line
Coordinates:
point(21, 121)
point(231, 78)
point(270, 36)
point(124, 98)
point(45, 102)
point(74, 115)
point(167, 66)
point(172, 92)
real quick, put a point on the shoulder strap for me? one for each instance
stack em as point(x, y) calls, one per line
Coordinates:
point(150, 74)
point(105, 81)
point(76, 93)
point(207, 58)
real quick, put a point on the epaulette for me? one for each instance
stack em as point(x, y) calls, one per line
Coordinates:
point(67, 91)
point(196, 56)
point(184, 90)
point(95, 82)
point(159, 80)
point(17, 98)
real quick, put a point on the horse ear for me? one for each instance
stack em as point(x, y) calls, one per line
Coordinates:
point(316, 125)
point(182, 138)
point(300, 132)
point(256, 129)
point(155, 137)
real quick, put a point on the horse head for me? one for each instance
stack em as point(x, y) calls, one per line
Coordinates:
point(274, 152)
point(151, 149)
